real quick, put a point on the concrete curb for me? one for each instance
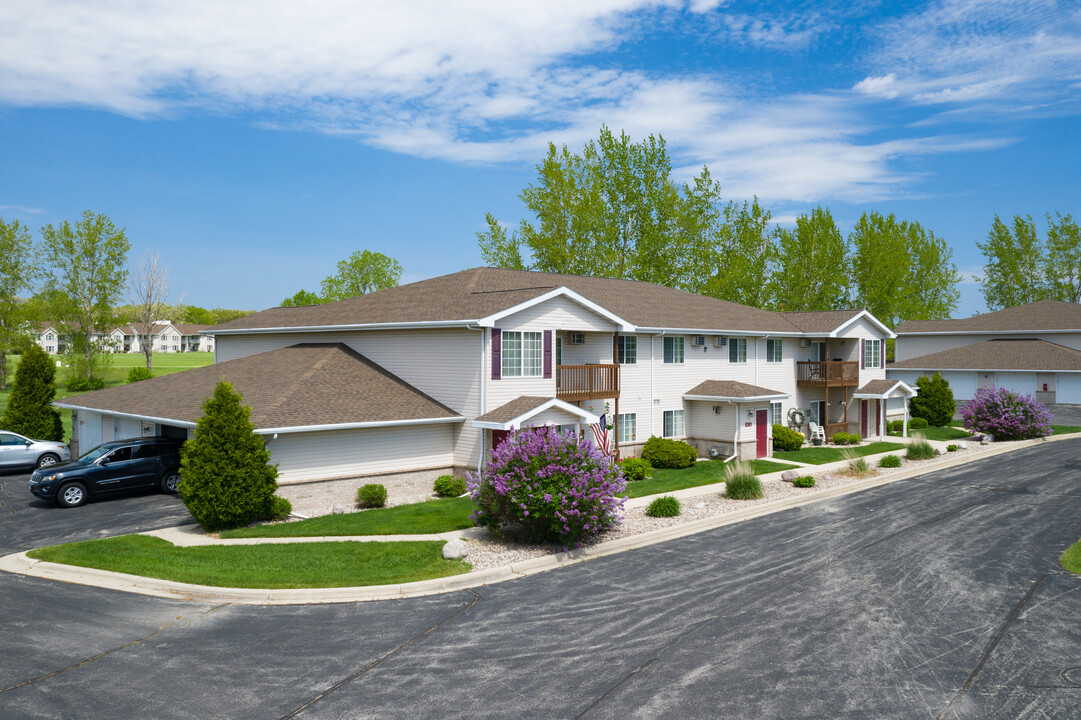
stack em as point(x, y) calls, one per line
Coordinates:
point(21, 564)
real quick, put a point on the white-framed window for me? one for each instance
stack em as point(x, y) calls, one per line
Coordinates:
point(673, 350)
point(559, 351)
point(628, 427)
point(775, 413)
point(773, 350)
point(818, 351)
point(49, 348)
point(523, 354)
point(564, 429)
point(627, 349)
point(872, 353)
point(737, 350)
point(818, 412)
point(673, 423)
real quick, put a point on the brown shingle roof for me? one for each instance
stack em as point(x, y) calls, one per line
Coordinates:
point(514, 409)
point(820, 322)
point(732, 389)
point(1040, 315)
point(877, 387)
point(305, 384)
point(480, 292)
point(1000, 354)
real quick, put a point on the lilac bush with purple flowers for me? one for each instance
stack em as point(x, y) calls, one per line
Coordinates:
point(1006, 414)
point(557, 487)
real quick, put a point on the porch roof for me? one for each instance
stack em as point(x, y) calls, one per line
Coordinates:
point(883, 389)
point(732, 391)
point(521, 409)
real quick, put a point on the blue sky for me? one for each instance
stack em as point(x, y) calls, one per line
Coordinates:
point(254, 145)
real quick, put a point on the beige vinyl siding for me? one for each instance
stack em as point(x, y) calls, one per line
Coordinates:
point(1021, 382)
point(557, 314)
point(107, 428)
point(347, 453)
point(703, 423)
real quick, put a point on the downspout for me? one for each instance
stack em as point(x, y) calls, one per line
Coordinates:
point(483, 389)
point(652, 372)
point(735, 435)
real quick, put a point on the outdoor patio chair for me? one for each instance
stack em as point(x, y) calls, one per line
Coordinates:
point(817, 432)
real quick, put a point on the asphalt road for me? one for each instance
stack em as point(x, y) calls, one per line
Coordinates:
point(938, 597)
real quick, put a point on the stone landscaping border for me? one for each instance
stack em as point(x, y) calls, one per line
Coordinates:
point(20, 563)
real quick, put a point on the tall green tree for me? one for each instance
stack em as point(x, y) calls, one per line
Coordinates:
point(361, 273)
point(743, 249)
point(29, 411)
point(226, 478)
point(1016, 269)
point(613, 211)
point(901, 271)
point(810, 265)
point(1063, 259)
point(303, 297)
point(16, 274)
point(88, 267)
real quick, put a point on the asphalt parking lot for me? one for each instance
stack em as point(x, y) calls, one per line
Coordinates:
point(936, 597)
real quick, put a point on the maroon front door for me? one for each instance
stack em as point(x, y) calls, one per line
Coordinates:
point(499, 436)
point(761, 421)
point(878, 418)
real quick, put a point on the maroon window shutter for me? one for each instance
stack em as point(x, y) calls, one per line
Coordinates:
point(497, 353)
point(863, 355)
point(882, 353)
point(547, 353)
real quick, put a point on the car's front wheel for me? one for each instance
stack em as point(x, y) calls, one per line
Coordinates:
point(47, 459)
point(71, 495)
point(170, 481)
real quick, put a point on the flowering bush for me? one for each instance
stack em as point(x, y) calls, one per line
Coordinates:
point(1006, 414)
point(557, 487)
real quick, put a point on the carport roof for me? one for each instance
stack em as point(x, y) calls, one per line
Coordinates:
point(303, 387)
point(999, 354)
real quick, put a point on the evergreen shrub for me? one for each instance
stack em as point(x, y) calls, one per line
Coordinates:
point(805, 481)
point(277, 509)
point(843, 438)
point(785, 438)
point(635, 468)
point(889, 461)
point(226, 479)
point(917, 423)
point(449, 486)
point(1006, 414)
point(372, 495)
point(138, 373)
point(29, 412)
point(666, 506)
point(934, 402)
point(555, 487)
point(85, 384)
point(666, 453)
point(740, 482)
point(896, 426)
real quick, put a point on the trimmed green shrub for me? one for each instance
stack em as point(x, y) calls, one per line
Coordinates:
point(636, 468)
point(896, 426)
point(226, 479)
point(372, 495)
point(920, 450)
point(666, 506)
point(82, 384)
point(805, 481)
point(666, 453)
point(889, 461)
point(952, 448)
point(139, 373)
point(449, 486)
point(28, 412)
point(277, 509)
point(785, 438)
point(843, 438)
point(740, 482)
point(934, 402)
point(918, 423)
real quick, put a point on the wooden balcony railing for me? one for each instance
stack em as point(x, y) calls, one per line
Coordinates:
point(827, 373)
point(587, 382)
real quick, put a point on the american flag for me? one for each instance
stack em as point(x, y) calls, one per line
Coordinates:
point(600, 434)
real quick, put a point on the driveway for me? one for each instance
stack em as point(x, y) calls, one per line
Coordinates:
point(935, 597)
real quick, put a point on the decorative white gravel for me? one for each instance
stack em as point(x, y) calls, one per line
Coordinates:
point(488, 551)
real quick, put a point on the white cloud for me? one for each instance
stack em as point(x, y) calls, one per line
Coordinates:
point(22, 209)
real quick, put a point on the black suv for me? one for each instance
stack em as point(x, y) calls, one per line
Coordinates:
point(109, 468)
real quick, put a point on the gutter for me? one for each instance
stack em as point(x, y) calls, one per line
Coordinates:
point(652, 383)
point(338, 328)
point(133, 416)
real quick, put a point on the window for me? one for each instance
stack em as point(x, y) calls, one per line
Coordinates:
point(564, 429)
point(737, 350)
point(122, 454)
point(818, 351)
point(773, 350)
point(628, 427)
point(11, 439)
point(673, 350)
point(559, 351)
point(818, 412)
point(872, 356)
point(523, 354)
point(775, 412)
point(628, 349)
point(673, 423)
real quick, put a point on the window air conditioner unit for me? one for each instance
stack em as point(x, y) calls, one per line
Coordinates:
point(578, 338)
point(720, 341)
point(805, 342)
point(699, 340)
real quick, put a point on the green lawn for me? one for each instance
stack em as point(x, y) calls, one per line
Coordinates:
point(1071, 559)
point(944, 434)
point(1064, 429)
point(433, 516)
point(824, 454)
point(117, 374)
point(295, 565)
point(701, 473)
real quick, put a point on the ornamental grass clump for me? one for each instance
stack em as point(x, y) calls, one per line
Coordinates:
point(740, 482)
point(556, 487)
point(920, 449)
point(889, 461)
point(857, 464)
point(1006, 414)
point(663, 507)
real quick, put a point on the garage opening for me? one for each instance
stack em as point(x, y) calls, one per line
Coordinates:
point(174, 432)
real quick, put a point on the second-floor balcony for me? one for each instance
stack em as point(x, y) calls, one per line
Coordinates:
point(587, 382)
point(827, 373)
